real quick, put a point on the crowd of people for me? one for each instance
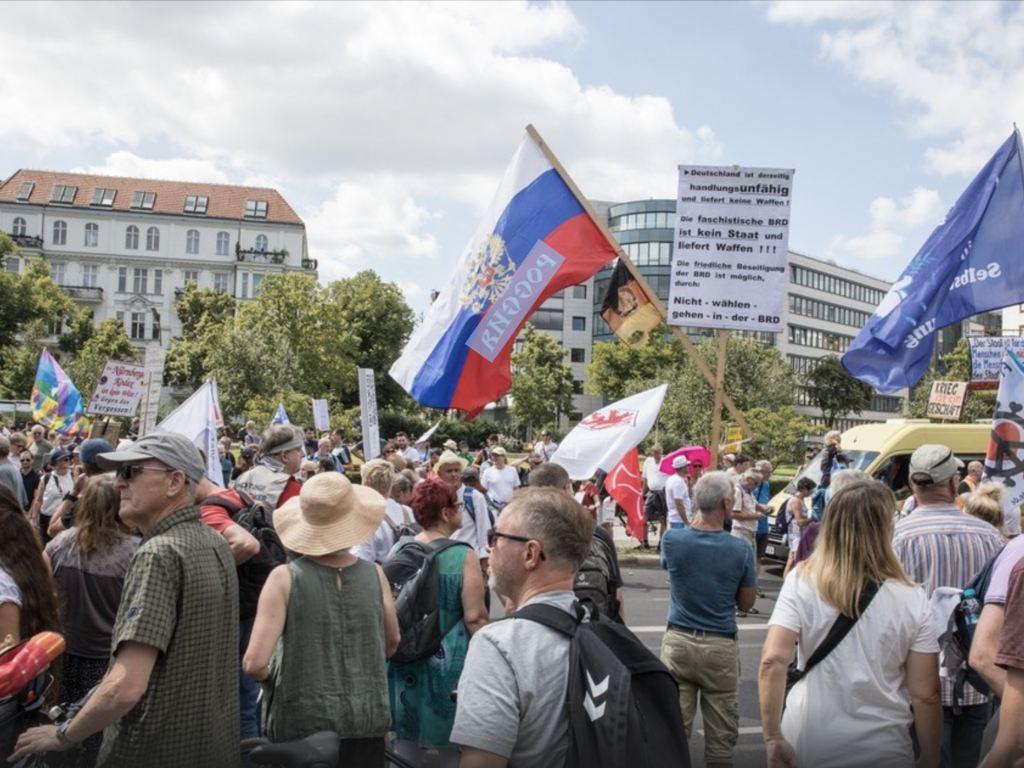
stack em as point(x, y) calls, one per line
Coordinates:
point(199, 614)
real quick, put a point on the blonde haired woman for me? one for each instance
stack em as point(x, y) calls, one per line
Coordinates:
point(986, 503)
point(855, 707)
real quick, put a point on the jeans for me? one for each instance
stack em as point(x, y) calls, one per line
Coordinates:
point(962, 735)
point(710, 666)
point(248, 689)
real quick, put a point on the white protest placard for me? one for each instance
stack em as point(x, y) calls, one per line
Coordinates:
point(729, 254)
point(368, 414)
point(321, 418)
point(118, 390)
point(987, 355)
point(154, 380)
point(946, 400)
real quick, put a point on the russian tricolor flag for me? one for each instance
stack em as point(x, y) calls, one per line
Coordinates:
point(535, 239)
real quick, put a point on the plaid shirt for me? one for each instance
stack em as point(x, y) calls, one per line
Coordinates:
point(940, 546)
point(180, 597)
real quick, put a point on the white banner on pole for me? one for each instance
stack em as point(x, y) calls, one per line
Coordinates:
point(729, 254)
point(118, 391)
point(1004, 460)
point(154, 380)
point(321, 418)
point(428, 434)
point(368, 410)
point(196, 419)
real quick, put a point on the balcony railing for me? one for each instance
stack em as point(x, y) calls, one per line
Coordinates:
point(83, 292)
point(261, 256)
point(28, 241)
point(309, 264)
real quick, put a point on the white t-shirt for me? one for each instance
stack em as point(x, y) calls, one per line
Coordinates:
point(744, 503)
point(545, 450)
point(53, 493)
point(655, 478)
point(868, 725)
point(378, 546)
point(474, 532)
point(9, 592)
point(500, 483)
point(675, 488)
point(411, 455)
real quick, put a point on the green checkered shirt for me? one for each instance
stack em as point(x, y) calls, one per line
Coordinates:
point(180, 597)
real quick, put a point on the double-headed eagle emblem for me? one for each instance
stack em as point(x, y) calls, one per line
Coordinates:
point(489, 274)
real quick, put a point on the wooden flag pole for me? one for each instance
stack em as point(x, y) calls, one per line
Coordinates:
point(716, 414)
point(653, 297)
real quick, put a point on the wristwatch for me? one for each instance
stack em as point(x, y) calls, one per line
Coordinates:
point(62, 736)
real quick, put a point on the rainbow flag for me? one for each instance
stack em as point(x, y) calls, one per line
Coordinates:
point(56, 401)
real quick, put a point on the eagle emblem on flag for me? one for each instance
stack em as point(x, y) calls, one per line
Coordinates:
point(489, 272)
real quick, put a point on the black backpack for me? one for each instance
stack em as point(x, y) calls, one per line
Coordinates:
point(622, 703)
point(782, 520)
point(593, 586)
point(256, 518)
point(411, 570)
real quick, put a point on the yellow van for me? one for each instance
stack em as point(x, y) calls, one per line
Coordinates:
point(883, 451)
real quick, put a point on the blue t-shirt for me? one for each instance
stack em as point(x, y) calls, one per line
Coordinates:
point(762, 495)
point(706, 569)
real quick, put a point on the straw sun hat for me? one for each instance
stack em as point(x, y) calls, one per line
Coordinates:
point(329, 514)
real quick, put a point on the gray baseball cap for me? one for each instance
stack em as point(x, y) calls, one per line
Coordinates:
point(169, 448)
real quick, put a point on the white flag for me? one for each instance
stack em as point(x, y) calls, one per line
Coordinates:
point(197, 419)
point(1004, 461)
point(428, 434)
point(604, 437)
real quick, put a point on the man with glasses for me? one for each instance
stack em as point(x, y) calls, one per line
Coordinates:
point(41, 447)
point(942, 546)
point(168, 698)
point(511, 696)
point(272, 480)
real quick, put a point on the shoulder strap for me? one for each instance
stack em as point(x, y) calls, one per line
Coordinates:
point(840, 629)
point(467, 503)
point(220, 501)
point(552, 617)
point(440, 545)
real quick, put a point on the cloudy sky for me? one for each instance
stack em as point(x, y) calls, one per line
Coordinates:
point(387, 126)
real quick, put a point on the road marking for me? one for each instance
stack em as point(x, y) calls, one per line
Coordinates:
point(746, 730)
point(661, 628)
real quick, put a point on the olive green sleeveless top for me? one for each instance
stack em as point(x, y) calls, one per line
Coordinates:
point(328, 672)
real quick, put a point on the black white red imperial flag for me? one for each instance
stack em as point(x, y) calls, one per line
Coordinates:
point(627, 309)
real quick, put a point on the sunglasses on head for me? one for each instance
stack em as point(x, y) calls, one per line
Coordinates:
point(128, 472)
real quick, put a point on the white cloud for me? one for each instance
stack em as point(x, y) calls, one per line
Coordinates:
point(315, 91)
point(124, 163)
point(891, 221)
point(370, 223)
point(958, 67)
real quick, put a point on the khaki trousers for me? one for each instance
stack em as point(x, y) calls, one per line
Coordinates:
point(708, 665)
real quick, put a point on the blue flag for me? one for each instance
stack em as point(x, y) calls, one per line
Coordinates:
point(973, 262)
point(280, 417)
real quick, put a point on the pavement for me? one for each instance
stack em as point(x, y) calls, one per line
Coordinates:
point(646, 597)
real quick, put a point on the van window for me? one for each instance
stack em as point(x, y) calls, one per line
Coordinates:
point(856, 460)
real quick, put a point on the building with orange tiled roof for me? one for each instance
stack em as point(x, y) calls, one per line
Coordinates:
point(125, 247)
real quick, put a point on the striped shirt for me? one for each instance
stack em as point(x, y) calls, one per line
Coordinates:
point(940, 546)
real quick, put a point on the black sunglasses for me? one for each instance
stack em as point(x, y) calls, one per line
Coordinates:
point(493, 536)
point(127, 472)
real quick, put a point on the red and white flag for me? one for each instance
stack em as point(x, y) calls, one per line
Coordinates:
point(605, 436)
point(625, 486)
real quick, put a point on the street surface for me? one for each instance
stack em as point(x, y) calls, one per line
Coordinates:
point(646, 598)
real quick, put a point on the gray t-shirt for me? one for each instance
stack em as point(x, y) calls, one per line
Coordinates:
point(511, 699)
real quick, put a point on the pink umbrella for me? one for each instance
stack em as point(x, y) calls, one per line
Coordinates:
point(691, 452)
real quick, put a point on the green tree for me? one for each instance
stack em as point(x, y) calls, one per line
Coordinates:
point(542, 381)
point(615, 370)
point(778, 434)
point(39, 308)
point(756, 376)
point(979, 404)
point(835, 391)
point(205, 315)
point(109, 342)
point(374, 315)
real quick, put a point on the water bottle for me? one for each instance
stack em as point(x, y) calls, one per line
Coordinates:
point(970, 607)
